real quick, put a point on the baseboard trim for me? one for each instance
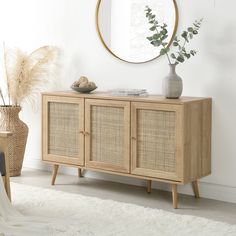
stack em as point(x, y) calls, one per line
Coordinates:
point(207, 190)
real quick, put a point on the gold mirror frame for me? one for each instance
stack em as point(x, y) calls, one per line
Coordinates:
point(109, 50)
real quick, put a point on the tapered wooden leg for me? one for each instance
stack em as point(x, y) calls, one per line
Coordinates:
point(80, 172)
point(196, 189)
point(54, 173)
point(6, 181)
point(174, 196)
point(149, 186)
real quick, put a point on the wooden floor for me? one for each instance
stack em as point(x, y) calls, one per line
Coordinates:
point(188, 205)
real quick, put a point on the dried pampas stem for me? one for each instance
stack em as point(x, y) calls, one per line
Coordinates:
point(2, 98)
point(5, 66)
point(28, 74)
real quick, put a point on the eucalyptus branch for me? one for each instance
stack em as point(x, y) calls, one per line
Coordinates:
point(182, 48)
point(168, 58)
point(163, 45)
point(158, 39)
point(181, 51)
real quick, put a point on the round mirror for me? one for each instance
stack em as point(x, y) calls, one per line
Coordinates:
point(123, 27)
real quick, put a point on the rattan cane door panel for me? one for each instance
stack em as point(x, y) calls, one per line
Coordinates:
point(64, 140)
point(156, 140)
point(107, 126)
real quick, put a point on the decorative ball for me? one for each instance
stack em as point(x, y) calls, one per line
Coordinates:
point(84, 84)
point(76, 83)
point(83, 79)
point(91, 84)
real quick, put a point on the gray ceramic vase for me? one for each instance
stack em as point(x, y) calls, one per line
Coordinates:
point(172, 84)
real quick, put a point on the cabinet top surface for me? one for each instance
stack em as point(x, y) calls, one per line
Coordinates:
point(108, 96)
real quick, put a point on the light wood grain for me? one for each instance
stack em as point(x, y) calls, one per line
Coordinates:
point(149, 186)
point(195, 189)
point(206, 136)
point(177, 175)
point(152, 98)
point(118, 173)
point(125, 167)
point(5, 149)
point(54, 174)
point(192, 135)
point(174, 196)
point(80, 172)
point(77, 160)
point(4, 180)
point(197, 139)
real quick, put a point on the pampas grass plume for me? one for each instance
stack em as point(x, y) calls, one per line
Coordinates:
point(27, 74)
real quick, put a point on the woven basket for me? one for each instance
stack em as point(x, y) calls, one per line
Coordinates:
point(10, 121)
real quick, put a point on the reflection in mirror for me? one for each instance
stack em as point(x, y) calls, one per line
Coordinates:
point(123, 27)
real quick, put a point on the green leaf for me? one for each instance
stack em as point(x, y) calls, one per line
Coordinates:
point(191, 36)
point(164, 31)
point(153, 28)
point(148, 9)
point(164, 37)
point(156, 43)
point(175, 44)
point(190, 29)
point(193, 52)
point(150, 38)
point(184, 34)
point(195, 32)
point(156, 36)
point(187, 55)
point(150, 17)
point(164, 51)
point(173, 55)
point(180, 59)
point(164, 44)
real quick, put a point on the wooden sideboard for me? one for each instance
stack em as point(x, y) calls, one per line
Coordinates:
point(151, 138)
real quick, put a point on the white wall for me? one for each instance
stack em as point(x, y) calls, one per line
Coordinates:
point(71, 25)
point(105, 21)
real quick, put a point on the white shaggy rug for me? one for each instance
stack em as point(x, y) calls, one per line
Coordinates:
point(90, 216)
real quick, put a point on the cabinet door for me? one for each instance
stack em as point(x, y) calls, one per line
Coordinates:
point(63, 130)
point(156, 134)
point(107, 142)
